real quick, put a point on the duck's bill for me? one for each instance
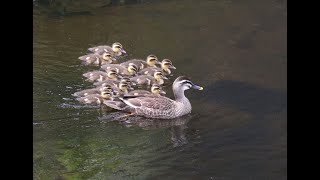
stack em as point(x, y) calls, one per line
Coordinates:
point(162, 93)
point(113, 59)
point(197, 87)
point(123, 51)
point(163, 77)
point(119, 76)
point(130, 88)
point(172, 67)
point(158, 62)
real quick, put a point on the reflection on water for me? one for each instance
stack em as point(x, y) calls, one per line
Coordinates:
point(237, 128)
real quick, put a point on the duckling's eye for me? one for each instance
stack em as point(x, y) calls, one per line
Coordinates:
point(167, 64)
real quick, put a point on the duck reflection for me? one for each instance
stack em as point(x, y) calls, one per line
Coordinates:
point(177, 127)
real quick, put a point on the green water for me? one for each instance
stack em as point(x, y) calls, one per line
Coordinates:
point(236, 50)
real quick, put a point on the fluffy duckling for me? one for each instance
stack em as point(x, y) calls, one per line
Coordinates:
point(157, 78)
point(155, 90)
point(108, 82)
point(96, 90)
point(125, 71)
point(166, 65)
point(96, 59)
point(151, 61)
point(116, 49)
point(96, 99)
point(118, 87)
point(122, 88)
point(101, 76)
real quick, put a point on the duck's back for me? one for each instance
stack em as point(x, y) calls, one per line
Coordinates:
point(141, 64)
point(149, 71)
point(93, 99)
point(116, 67)
point(152, 107)
point(99, 48)
point(138, 92)
point(144, 80)
point(87, 92)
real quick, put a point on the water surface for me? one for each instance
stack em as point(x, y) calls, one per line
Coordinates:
point(236, 50)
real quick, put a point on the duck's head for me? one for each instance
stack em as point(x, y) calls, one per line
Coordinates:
point(112, 74)
point(128, 81)
point(152, 60)
point(184, 83)
point(159, 75)
point(123, 86)
point(156, 89)
point(106, 94)
point(132, 69)
point(117, 47)
point(106, 56)
point(166, 65)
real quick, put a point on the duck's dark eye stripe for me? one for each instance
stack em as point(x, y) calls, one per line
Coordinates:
point(186, 81)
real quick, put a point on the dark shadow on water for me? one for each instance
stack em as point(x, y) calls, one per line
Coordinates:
point(176, 126)
point(246, 97)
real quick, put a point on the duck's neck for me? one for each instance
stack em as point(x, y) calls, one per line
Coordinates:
point(183, 105)
point(180, 97)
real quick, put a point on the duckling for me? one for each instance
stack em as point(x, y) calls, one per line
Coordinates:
point(116, 49)
point(87, 92)
point(151, 61)
point(101, 76)
point(96, 59)
point(157, 78)
point(96, 99)
point(115, 82)
point(159, 107)
point(126, 71)
point(156, 90)
point(166, 65)
point(118, 87)
point(122, 88)
point(109, 82)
